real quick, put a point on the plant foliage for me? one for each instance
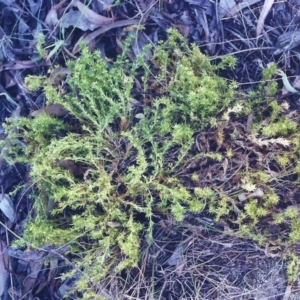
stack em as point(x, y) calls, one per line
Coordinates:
point(104, 172)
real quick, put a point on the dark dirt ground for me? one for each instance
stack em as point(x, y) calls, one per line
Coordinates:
point(193, 260)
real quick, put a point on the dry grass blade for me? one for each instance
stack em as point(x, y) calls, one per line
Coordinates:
point(287, 293)
point(6, 206)
point(4, 259)
point(261, 21)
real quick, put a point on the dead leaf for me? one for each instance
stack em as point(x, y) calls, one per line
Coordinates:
point(230, 8)
point(272, 173)
point(68, 285)
point(7, 207)
point(92, 17)
point(225, 6)
point(225, 166)
point(53, 269)
point(34, 6)
point(242, 197)
point(257, 193)
point(183, 29)
point(10, 79)
point(8, 3)
point(51, 277)
point(55, 110)
point(57, 75)
point(31, 279)
point(287, 41)
point(113, 224)
point(178, 252)
point(90, 37)
point(264, 12)
point(75, 19)
point(23, 30)
point(281, 141)
point(266, 142)
point(72, 167)
point(51, 18)
point(296, 83)
point(249, 123)
point(163, 224)
point(139, 116)
point(140, 40)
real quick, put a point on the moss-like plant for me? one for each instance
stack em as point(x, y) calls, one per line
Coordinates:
point(103, 172)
